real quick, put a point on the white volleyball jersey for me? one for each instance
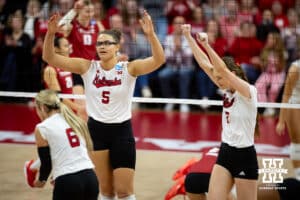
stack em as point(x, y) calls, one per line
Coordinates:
point(109, 92)
point(68, 151)
point(239, 118)
point(295, 98)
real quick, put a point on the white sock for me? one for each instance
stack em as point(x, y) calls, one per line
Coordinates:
point(102, 197)
point(130, 197)
point(297, 173)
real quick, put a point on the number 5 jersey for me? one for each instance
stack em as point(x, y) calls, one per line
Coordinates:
point(109, 92)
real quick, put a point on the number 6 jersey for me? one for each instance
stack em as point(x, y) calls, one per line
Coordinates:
point(67, 150)
point(109, 92)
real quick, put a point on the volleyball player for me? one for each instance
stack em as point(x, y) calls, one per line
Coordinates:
point(290, 117)
point(109, 86)
point(81, 30)
point(237, 159)
point(60, 80)
point(193, 178)
point(63, 142)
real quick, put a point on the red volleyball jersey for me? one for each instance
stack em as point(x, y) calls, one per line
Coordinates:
point(64, 79)
point(83, 40)
point(206, 164)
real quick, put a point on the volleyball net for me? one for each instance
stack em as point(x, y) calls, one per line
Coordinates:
point(155, 100)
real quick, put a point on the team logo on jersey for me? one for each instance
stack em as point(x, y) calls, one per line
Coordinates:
point(226, 102)
point(118, 69)
point(102, 82)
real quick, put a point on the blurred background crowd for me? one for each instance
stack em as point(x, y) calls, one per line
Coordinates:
point(263, 36)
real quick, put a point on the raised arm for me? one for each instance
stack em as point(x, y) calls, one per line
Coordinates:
point(290, 82)
point(74, 65)
point(65, 21)
point(147, 65)
point(199, 55)
point(236, 83)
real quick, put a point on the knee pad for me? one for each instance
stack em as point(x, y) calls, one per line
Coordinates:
point(295, 151)
point(130, 197)
point(102, 197)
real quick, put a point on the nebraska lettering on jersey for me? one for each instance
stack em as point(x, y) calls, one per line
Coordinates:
point(226, 102)
point(102, 81)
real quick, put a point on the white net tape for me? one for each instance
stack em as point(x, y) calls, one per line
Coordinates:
point(157, 100)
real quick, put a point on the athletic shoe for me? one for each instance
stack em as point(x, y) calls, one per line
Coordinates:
point(30, 174)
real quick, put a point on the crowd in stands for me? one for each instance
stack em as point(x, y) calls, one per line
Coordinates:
point(263, 36)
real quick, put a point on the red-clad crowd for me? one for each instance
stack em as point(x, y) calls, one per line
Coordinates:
point(262, 36)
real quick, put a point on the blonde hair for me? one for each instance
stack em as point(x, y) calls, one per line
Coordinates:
point(51, 101)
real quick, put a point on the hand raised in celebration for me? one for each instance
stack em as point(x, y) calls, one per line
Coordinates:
point(202, 38)
point(186, 29)
point(53, 26)
point(146, 23)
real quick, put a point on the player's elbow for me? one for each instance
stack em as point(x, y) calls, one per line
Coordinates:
point(47, 57)
point(161, 60)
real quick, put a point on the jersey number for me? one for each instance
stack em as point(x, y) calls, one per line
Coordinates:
point(227, 114)
point(105, 97)
point(87, 39)
point(73, 138)
point(69, 82)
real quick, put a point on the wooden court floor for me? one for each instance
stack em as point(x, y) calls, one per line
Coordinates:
point(153, 173)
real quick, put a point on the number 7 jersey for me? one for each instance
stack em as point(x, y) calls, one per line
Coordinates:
point(239, 118)
point(109, 92)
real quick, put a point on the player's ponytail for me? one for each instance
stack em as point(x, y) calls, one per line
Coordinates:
point(77, 124)
point(51, 101)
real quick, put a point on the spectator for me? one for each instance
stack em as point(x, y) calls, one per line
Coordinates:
point(266, 26)
point(17, 71)
point(99, 13)
point(230, 22)
point(213, 9)
point(130, 14)
point(176, 8)
point(178, 63)
point(280, 19)
point(291, 36)
point(246, 50)
point(198, 21)
point(267, 4)
point(32, 13)
point(249, 12)
point(156, 9)
point(273, 64)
